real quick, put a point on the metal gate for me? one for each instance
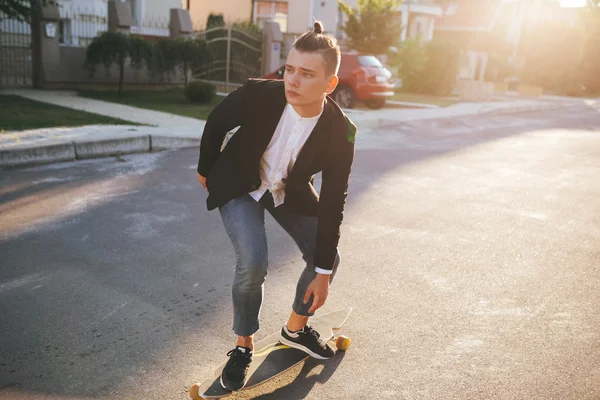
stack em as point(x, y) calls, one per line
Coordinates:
point(15, 53)
point(237, 55)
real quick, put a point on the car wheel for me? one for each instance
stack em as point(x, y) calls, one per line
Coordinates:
point(345, 97)
point(375, 104)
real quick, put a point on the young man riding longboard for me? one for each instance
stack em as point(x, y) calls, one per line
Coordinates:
point(288, 131)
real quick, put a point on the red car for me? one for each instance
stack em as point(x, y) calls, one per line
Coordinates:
point(362, 78)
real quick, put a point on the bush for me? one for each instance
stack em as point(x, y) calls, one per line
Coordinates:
point(553, 61)
point(429, 68)
point(410, 60)
point(438, 77)
point(200, 92)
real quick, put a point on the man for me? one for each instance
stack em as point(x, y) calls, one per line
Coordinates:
point(288, 132)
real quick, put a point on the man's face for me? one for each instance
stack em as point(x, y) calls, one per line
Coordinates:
point(305, 78)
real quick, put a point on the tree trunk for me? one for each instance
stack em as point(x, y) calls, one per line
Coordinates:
point(185, 72)
point(36, 44)
point(121, 73)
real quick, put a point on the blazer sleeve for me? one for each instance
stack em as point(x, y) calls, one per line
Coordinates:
point(227, 115)
point(332, 199)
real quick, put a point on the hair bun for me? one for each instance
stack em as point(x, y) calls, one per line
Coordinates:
point(318, 27)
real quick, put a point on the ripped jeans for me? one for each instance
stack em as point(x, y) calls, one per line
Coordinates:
point(244, 221)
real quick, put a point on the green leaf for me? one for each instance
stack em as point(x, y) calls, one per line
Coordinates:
point(351, 132)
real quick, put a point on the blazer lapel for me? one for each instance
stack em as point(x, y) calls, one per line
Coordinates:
point(314, 144)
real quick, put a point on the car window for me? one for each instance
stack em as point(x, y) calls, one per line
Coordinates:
point(369, 61)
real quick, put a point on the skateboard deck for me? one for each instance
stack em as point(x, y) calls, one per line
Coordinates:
point(272, 358)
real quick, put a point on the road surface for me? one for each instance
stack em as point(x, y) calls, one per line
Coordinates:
point(470, 253)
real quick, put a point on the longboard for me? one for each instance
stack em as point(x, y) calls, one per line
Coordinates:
point(272, 358)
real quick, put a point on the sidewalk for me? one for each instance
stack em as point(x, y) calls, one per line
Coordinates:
point(70, 99)
point(40, 146)
point(172, 131)
point(373, 119)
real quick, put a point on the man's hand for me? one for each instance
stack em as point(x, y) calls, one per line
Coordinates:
point(319, 287)
point(202, 180)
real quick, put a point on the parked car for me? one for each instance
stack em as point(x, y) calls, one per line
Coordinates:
point(362, 78)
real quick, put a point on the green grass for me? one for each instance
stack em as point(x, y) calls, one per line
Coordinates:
point(423, 98)
point(170, 100)
point(18, 113)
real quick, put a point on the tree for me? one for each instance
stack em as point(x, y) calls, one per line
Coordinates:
point(410, 59)
point(191, 52)
point(438, 77)
point(374, 26)
point(429, 68)
point(21, 10)
point(107, 49)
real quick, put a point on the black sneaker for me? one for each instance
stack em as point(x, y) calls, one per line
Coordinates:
point(307, 340)
point(235, 371)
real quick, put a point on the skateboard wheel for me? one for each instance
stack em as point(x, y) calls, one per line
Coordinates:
point(342, 343)
point(194, 394)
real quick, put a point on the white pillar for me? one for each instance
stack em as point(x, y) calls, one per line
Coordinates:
point(404, 25)
point(272, 39)
point(483, 60)
point(431, 29)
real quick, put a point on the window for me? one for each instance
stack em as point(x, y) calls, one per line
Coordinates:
point(271, 11)
point(64, 32)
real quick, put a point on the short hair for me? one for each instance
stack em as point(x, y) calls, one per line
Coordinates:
point(315, 41)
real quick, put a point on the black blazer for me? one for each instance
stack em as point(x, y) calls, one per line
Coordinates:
point(256, 107)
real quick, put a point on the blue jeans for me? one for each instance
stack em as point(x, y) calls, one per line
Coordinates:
point(244, 220)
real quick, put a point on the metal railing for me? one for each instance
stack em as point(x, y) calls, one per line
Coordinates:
point(15, 52)
point(152, 26)
point(237, 55)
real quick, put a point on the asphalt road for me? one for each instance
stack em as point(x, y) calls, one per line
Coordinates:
point(470, 253)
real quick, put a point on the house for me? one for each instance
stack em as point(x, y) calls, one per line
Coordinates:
point(75, 23)
point(82, 20)
point(419, 18)
point(232, 11)
point(297, 16)
point(151, 17)
point(482, 28)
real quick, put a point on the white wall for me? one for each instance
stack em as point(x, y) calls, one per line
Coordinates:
point(327, 11)
point(300, 14)
point(152, 16)
point(158, 9)
point(82, 20)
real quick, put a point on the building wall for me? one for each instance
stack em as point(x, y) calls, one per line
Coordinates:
point(232, 10)
point(157, 8)
point(327, 11)
point(300, 16)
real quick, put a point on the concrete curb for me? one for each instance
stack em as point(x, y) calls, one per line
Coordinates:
point(377, 122)
point(36, 154)
point(116, 144)
point(86, 148)
point(518, 110)
point(104, 147)
point(160, 142)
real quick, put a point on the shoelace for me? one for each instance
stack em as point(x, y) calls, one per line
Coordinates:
point(310, 331)
point(238, 356)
